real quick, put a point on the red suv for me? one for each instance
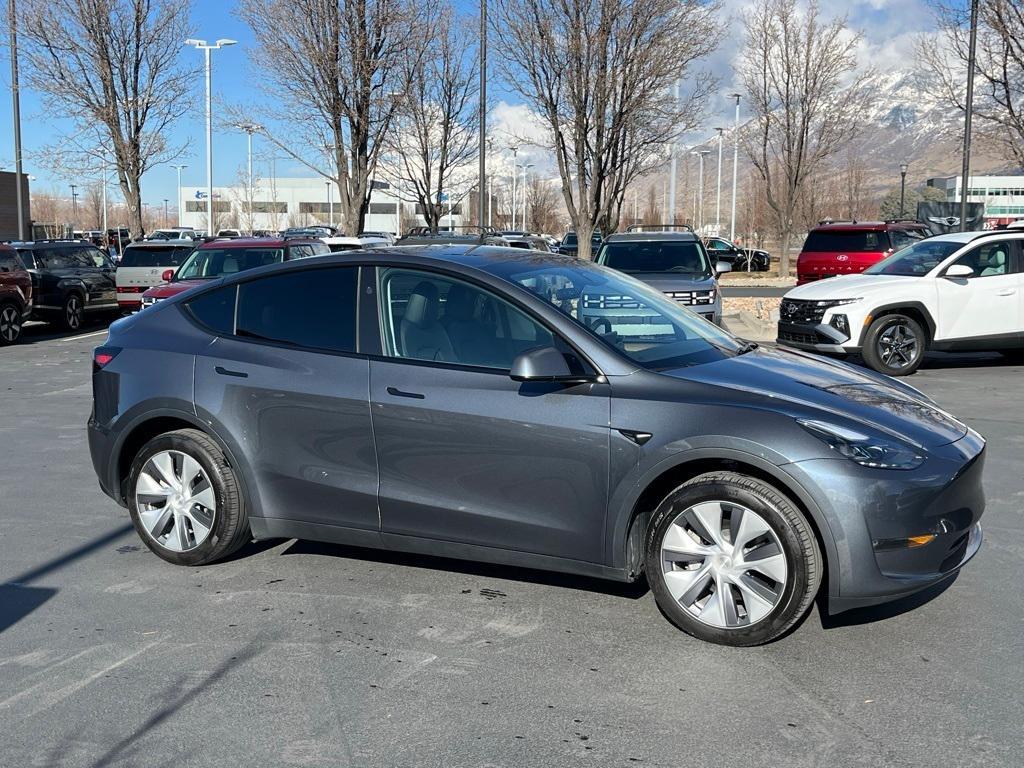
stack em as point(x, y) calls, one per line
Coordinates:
point(15, 295)
point(220, 258)
point(843, 248)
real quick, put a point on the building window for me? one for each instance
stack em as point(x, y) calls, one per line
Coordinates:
point(265, 206)
point(199, 206)
point(386, 208)
point(320, 208)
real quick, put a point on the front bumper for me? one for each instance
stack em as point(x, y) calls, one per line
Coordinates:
point(872, 513)
point(819, 337)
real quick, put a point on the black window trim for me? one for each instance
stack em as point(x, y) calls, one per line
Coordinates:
point(506, 297)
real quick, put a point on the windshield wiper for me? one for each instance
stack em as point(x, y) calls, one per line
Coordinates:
point(748, 346)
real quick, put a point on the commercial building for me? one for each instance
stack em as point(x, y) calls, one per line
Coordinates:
point(1002, 196)
point(297, 202)
point(9, 206)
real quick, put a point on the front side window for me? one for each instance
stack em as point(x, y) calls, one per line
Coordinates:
point(989, 260)
point(683, 257)
point(426, 316)
point(219, 262)
point(624, 313)
point(901, 238)
point(915, 260)
point(312, 308)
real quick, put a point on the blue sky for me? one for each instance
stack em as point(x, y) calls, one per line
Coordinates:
point(891, 25)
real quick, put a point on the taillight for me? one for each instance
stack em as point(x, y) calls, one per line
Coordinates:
point(101, 356)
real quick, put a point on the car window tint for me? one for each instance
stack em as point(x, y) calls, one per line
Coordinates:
point(26, 258)
point(52, 258)
point(685, 257)
point(149, 256)
point(989, 260)
point(95, 258)
point(216, 309)
point(426, 316)
point(847, 241)
point(8, 263)
point(314, 308)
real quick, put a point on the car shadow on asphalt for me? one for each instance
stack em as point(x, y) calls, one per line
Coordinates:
point(876, 613)
point(633, 591)
point(37, 332)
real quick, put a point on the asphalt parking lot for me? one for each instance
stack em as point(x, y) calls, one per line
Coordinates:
point(302, 654)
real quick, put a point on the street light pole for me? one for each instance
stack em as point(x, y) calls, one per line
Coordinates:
point(903, 187)
point(74, 207)
point(206, 49)
point(483, 117)
point(250, 129)
point(167, 221)
point(735, 167)
point(330, 205)
point(12, 19)
point(700, 153)
point(179, 169)
point(965, 174)
point(526, 167)
point(515, 152)
point(671, 219)
point(718, 191)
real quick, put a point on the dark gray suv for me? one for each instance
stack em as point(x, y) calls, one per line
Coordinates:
point(479, 403)
point(676, 263)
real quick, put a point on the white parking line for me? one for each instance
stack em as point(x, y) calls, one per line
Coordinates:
point(83, 336)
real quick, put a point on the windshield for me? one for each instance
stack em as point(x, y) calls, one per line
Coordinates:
point(624, 313)
point(141, 256)
point(915, 260)
point(217, 262)
point(665, 256)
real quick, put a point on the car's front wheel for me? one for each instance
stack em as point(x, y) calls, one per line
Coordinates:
point(731, 560)
point(894, 345)
point(10, 324)
point(185, 499)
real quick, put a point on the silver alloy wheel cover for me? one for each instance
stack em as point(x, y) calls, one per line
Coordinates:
point(897, 345)
point(73, 312)
point(10, 323)
point(723, 564)
point(175, 501)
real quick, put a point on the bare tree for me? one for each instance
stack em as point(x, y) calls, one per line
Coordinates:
point(543, 212)
point(794, 69)
point(999, 68)
point(598, 72)
point(115, 65)
point(338, 69)
point(93, 199)
point(433, 143)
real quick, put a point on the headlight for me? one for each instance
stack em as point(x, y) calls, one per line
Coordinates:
point(877, 451)
point(826, 303)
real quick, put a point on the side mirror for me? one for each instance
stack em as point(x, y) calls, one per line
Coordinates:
point(168, 275)
point(543, 364)
point(722, 267)
point(959, 270)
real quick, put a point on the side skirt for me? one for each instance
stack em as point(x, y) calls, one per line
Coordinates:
point(279, 528)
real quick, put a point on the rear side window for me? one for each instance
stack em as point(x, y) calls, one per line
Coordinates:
point(27, 259)
point(51, 258)
point(141, 256)
point(853, 241)
point(314, 308)
point(8, 261)
point(216, 309)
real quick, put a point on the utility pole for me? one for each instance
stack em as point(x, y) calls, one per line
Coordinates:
point(515, 151)
point(735, 167)
point(965, 174)
point(16, 116)
point(179, 169)
point(718, 191)
point(250, 129)
point(483, 114)
point(672, 170)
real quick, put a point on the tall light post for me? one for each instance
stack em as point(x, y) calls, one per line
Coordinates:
point(700, 153)
point(671, 219)
point(483, 116)
point(965, 173)
point(330, 204)
point(202, 45)
point(167, 220)
point(250, 129)
point(515, 152)
point(179, 169)
point(12, 19)
point(903, 186)
point(735, 166)
point(718, 190)
point(74, 206)
point(526, 167)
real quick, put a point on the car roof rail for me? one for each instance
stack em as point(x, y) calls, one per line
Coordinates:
point(824, 222)
point(658, 227)
point(904, 220)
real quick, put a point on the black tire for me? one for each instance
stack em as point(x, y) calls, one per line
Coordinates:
point(231, 522)
point(72, 313)
point(10, 323)
point(803, 557)
point(886, 346)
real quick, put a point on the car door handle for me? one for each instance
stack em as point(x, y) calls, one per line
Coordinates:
point(399, 393)
point(1008, 292)
point(225, 372)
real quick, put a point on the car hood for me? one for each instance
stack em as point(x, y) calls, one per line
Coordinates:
point(166, 290)
point(674, 281)
point(834, 389)
point(845, 286)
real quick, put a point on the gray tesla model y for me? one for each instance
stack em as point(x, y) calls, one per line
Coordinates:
point(530, 410)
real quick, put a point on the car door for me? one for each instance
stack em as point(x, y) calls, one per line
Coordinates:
point(286, 380)
point(99, 275)
point(465, 453)
point(986, 304)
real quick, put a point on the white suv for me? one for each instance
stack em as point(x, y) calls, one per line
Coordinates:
point(958, 292)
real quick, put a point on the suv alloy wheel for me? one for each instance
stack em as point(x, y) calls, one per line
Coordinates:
point(894, 345)
point(10, 324)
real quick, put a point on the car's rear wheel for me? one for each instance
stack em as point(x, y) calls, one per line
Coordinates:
point(72, 313)
point(894, 345)
point(10, 324)
point(731, 560)
point(185, 499)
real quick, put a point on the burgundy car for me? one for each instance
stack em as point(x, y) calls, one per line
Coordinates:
point(846, 248)
point(220, 258)
point(15, 295)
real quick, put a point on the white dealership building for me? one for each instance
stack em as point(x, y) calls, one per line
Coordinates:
point(1003, 196)
point(298, 202)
